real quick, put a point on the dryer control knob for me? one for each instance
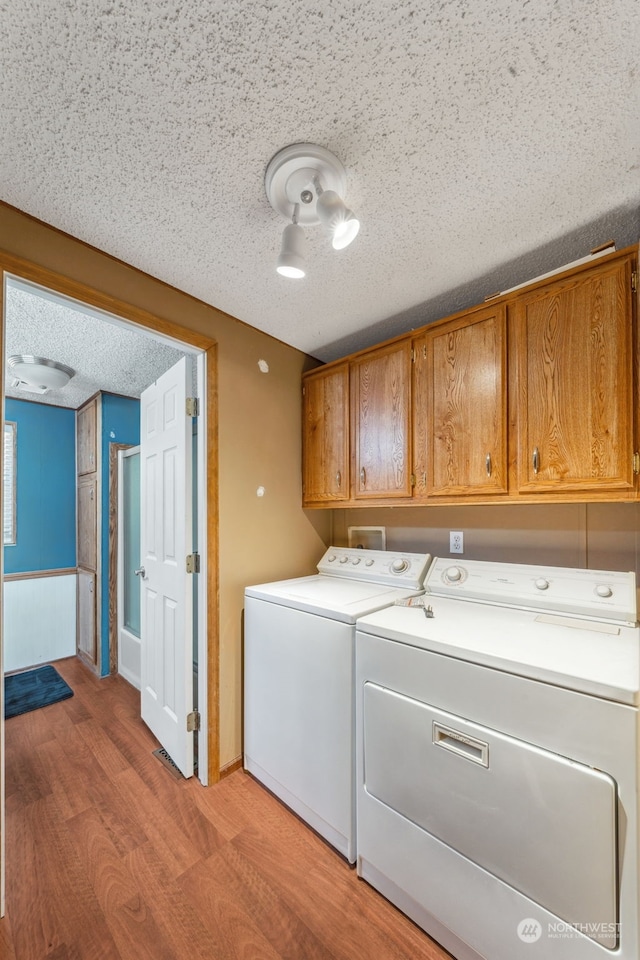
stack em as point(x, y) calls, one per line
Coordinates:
point(399, 565)
point(542, 584)
point(344, 559)
point(603, 590)
point(331, 558)
point(355, 561)
point(453, 574)
point(368, 563)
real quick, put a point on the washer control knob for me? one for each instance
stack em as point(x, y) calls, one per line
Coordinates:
point(344, 559)
point(399, 565)
point(542, 584)
point(331, 558)
point(368, 563)
point(603, 590)
point(453, 574)
point(355, 561)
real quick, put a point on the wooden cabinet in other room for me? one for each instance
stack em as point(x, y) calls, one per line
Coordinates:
point(88, 419)
point(572, 383)
point(325, 435)
point(381, 422)
point(87, 522)
point(86, 438)
point(86, 645)
point(460, 407)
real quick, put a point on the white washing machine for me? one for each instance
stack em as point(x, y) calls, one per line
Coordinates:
point(498, 761)
point(299, 714)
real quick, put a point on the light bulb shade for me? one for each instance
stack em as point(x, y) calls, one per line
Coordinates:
point(337, 218)
point(40, 372)
point(345, 232)
point(293, 252)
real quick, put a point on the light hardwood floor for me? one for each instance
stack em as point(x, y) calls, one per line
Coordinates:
point(111, 858)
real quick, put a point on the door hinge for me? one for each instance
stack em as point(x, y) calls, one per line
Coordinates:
point(193, 721)
point(193, 563)
point(636, 463)
point(634, 281)
point(192, 407)
point(413, 355)
point(412, 479)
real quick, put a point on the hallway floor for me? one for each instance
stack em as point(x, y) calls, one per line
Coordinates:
point(109, 857)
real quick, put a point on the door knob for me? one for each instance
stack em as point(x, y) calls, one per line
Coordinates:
point(141, 572)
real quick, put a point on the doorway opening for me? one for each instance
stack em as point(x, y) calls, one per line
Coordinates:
point(80, 341)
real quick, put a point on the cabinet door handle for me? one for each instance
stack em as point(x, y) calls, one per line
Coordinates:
point(338, 478)
point(363, 477)
point(487, 462)
point(536, 460)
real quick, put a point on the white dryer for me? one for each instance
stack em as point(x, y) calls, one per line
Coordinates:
point(498, 760)
point(299, 715)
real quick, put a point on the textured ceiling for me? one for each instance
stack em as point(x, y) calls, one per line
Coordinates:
point(485, 141)
point(106, 354)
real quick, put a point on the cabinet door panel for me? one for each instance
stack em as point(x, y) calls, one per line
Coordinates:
point(86, 438)
point(381, 400)
point(460, 420)
point(87, 522)
point(575, 383)
point(325, 437)
point(86, 639)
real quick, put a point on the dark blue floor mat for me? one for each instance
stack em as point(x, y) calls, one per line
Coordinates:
point(33, 689)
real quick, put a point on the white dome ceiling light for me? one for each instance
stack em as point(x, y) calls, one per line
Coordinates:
point(305, 184)
point(37, 374)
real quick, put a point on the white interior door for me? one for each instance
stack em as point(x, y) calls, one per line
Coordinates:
point(166, 619)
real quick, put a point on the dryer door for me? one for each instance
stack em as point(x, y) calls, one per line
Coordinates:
point(540, 822)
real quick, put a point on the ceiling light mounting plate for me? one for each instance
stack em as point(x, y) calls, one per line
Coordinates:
point(291, 172)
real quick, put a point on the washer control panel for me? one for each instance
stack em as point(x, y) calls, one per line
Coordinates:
point(380, 566)
point(602, 594)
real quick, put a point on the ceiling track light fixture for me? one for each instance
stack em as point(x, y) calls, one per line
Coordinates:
point(305, 183)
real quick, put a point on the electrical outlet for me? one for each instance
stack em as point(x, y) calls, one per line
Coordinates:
point(456, 541)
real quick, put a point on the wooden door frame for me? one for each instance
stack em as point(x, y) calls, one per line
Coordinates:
point(60, 284)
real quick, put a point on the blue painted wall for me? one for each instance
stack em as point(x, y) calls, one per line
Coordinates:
point(45, 488)
point(120, 424)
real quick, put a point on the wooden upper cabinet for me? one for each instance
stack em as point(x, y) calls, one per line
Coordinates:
point(325, 435)
point(381, 402)
point(572, 345)
point(86, 422)
point(460, 407)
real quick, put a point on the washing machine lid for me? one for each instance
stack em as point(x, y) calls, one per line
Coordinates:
point(601, 659)
point(332, 597)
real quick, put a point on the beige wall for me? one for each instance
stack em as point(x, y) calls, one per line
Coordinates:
point(259, 438)
point(261, 538)
point(601, 536)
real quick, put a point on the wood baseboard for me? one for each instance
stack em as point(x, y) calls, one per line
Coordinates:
point(230, 767)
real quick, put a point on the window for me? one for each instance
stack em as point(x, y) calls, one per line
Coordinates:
point(9, 480)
